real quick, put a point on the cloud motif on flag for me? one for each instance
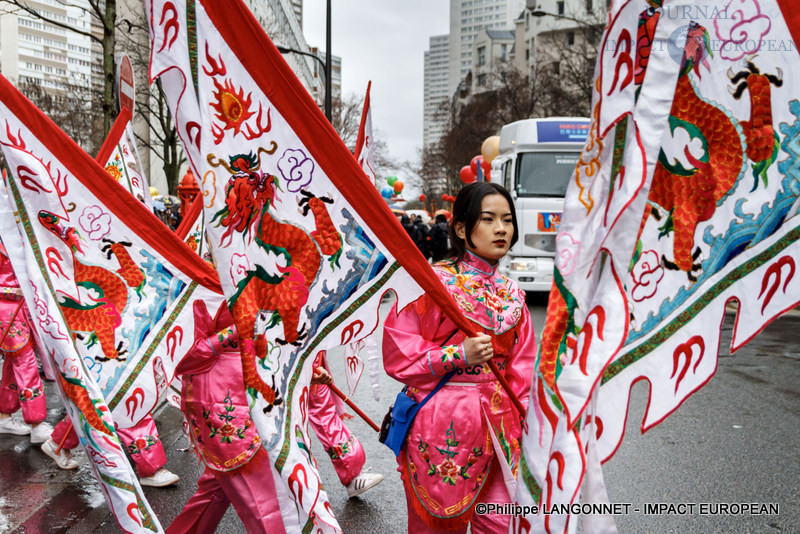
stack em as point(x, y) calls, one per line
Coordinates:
point(646, 274)
point(95, 222)
point(742, 29)
point(568, 249)
point(296, 168)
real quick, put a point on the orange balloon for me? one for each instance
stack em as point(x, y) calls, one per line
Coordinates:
point(490, 148)
point(398, 187)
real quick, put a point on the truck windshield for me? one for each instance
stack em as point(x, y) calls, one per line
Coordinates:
point(545, 174)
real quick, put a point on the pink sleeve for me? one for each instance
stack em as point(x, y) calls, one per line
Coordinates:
point(522, 358)
point(412, 353)
point(208, 345)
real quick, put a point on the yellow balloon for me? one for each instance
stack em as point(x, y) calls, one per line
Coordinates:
point(490, 148)
point(153, 191)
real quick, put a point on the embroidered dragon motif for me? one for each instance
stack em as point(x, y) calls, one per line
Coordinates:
point(101, 295)
point(250, 194)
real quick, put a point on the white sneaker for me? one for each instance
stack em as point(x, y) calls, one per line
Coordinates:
point(10, 425)
point(159, 479)
point(362, 483)
point(41, 433)
point(63, 459)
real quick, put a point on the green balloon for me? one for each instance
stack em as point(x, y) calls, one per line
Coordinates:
point(391, 180)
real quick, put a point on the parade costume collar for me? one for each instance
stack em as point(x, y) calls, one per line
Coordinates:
point(482, 294)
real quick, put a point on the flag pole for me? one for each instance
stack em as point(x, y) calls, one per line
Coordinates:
point(507, 387)
point(354, 407)
point(64, 439)
point(11, 321)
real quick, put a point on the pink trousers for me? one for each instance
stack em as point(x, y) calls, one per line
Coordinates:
point(344, 449)
point(144, 446)
point(21, 386)
point(495, 492)
point(252, 494)
point(141, 441)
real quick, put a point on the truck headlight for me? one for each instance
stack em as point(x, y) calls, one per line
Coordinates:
point(523, 265)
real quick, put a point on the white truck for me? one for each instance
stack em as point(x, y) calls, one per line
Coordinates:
point(536, 160)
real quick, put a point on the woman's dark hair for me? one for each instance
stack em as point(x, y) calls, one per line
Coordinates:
point(467, 210)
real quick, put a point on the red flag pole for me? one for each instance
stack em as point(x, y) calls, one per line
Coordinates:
point(354, 407)
point(11, 322)
point(507, 387)
point(64, 439)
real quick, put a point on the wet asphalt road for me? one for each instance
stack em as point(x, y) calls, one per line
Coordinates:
point(736, 440)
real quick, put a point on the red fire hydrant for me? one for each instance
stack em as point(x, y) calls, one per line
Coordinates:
point(187, 190)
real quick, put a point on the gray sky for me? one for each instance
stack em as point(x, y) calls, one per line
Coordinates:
point(384, 42)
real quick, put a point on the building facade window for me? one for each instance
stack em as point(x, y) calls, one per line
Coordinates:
point(481, 56)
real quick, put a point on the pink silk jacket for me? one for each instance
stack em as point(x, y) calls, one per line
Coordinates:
point(449, 451)
point(214, 399)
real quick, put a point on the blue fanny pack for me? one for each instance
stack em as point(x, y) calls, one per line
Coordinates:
point(397, 421)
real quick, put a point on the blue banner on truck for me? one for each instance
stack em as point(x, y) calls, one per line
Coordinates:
point(562, 132)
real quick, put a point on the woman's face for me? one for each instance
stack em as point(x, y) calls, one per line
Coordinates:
point(492, 235)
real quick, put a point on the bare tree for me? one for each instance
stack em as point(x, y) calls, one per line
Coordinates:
point(104, 12)
point(560, 84)
point(346, 120)
point(74, 109)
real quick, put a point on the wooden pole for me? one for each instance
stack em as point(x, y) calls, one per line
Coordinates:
point(507, 387)
point(64, 439)
point(354, 407)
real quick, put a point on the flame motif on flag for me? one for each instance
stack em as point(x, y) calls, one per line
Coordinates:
point(286, 195)
point(108, 289)
point(693, 203)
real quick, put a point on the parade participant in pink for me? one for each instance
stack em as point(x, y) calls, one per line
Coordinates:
point(237, 469)
point(142, 442)
point(21, 386)
point(464, 444)
point(344, 448)
point(147, 452)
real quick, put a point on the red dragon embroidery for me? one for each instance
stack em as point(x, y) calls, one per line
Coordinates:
point(97, 309)
point(249, 195)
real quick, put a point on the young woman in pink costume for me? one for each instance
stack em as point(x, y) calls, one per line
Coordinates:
point(465, 442)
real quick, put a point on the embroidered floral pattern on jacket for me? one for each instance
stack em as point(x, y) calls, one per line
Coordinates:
point(227, 431)
point(486, 297)
point(448, 469)
point(451, 355)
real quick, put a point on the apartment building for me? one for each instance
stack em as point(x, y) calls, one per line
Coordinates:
point(436, 93)
point(34, 51)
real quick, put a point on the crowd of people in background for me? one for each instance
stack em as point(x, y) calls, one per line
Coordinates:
point(431, 238)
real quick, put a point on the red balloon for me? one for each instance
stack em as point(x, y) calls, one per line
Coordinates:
point(422, 198)
point(444, 197)
point(467, 175)
point(486, 166)
point(477, 160)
